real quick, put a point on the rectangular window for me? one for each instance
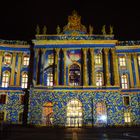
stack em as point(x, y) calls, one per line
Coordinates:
point(139, 60)
point(26, 60)
point(7, 59)
point(127, 118)
point(2, 99)
point(1, 116)
point(50, 59)
point(98, 59)
point(122, 61)
point(126, 100)
point(99, 79)
point(49, 79)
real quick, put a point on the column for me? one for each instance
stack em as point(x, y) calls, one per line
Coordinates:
point(136, 69)
point(57, 66)
point(1, 56)
point(107, 74)
point(130, 71)
point(85, 83)
point(64, 60)
point(43, 52)
point(18, 69)
point(115, 67)
point(37, 63)
point(13, 69)
point(92, 67)
point(36, 60)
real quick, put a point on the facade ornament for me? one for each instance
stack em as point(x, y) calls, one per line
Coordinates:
point(37, 30)
point(90, 29)
point(111, 30)
point(58, 30)
point(44, 30)
point(74, 23)
point(104, 30)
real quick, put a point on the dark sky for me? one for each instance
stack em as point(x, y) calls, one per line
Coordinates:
point(19, 19)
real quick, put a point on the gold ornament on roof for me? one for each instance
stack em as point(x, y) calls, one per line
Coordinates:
point(90, 29)
point(58, 30)
point(37, 30)
point(74, 23)
point(44, 30)
point(103, 30)
point(111, 30)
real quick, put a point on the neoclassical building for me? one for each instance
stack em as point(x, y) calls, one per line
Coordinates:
point(73, 78)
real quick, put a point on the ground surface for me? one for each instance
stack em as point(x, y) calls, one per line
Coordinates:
point(43, 133)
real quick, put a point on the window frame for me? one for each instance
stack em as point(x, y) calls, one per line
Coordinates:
point(139, 60)
point(123, 85)
point(24, 84)
point(127, 117)
point(50, 59)
point(5, 83)
point(98, 59)
point(122, 61)
point(100, 81)
point(6, 60)
point(124, 100)
point(69, 68)
point(50, 79)
point(27, 61)
point(4, 115)
point(5, 98)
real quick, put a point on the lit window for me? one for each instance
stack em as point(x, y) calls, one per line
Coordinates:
point(101, 113)
point(98, 59)
point(5, 79)
point(126, 100)
point(47, 116)
point(124, 81)
point(74, 113)
point(49, 79)
point(139, 60)
point(2, 99)
point(122, 61)
point(20, 117)
point(51, 59)
point(74, 75)
point(7, 59)
point(26, 60)
point(24, 82)
point(127, 118)
point(99, 79)
point(1, 116)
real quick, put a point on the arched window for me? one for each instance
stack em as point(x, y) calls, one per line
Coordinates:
point(101, 112)
point(5, 79)
point(122, 61)
point(24, 81)
point(26, 60)
point(47, 114)
point(124, 81)
point(74, 75)
point(7, 59)
point(74, 113)
point(99, 79)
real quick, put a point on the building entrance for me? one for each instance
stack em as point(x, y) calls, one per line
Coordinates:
point(47, 116)
point(74, 113)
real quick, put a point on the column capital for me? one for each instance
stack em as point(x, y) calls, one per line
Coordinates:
point(43, 50)
point(20, 54)
point(134, 55)
point(106, 50)
point(14, 53)
point(1, 53)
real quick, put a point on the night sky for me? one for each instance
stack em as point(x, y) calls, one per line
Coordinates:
point(19, 19)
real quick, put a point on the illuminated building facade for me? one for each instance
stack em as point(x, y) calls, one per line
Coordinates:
point(78, 78)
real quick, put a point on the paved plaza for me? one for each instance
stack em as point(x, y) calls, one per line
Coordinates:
point(43, 133)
